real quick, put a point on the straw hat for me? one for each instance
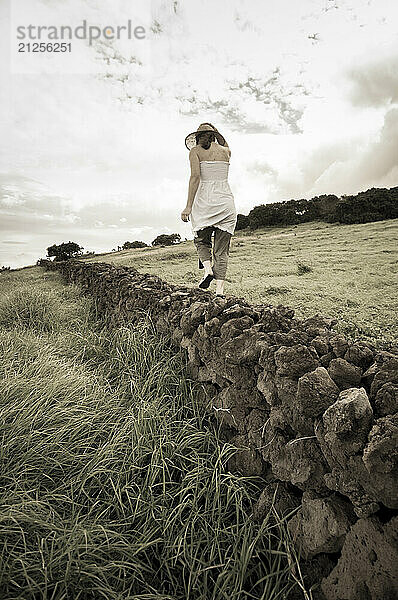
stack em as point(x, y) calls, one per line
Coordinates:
point(190, 140)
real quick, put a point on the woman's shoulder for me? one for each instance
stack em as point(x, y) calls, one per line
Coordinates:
point(223, 151)
point(226, 151)
point(216, 151)
point(194, 155)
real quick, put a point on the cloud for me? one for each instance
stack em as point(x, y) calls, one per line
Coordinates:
point(262, 168)
point(109, 148)
point(254, 105)
point(374, 83)
point(12, 242)
point(382, 156)
point(41, 218)
point(350, 166)
point(191, 74)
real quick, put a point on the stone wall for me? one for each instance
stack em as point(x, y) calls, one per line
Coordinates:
point(312, 412)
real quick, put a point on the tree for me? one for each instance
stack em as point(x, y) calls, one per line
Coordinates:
point(64, 251)
point(375, 204)
point(242, 222)
point(135, 244)
point(167, 240)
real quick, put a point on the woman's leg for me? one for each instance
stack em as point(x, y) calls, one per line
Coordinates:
point(222, 241)
point(202, 242)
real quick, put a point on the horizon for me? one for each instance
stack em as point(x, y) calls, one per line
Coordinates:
point(306, 97)
point(150, 243)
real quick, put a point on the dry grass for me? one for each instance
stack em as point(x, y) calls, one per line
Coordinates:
point(345, 271)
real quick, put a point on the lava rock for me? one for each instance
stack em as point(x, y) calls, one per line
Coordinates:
point(344, 374)
point(367, 568)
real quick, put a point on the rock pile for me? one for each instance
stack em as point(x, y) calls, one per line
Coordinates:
point(312, 412)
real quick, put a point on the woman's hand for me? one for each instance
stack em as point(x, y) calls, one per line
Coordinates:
point(185, 214)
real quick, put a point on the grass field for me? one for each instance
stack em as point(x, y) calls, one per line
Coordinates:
point(345, 271)
point(113, 479)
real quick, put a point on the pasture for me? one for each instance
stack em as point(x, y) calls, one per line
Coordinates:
point(345, 271)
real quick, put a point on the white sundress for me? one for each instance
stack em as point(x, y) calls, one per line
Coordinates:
point(214, 202)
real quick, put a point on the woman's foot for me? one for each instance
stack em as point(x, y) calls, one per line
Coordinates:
point(208, 275)
point(220, 287)
point(206, 281)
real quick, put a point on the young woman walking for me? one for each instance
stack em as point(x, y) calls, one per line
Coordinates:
point(210, 203)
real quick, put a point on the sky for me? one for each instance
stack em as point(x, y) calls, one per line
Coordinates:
point(92, 141)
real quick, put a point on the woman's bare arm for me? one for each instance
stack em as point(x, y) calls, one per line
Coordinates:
point(193, 183)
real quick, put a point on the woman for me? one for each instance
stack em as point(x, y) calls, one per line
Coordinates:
point(210, 202)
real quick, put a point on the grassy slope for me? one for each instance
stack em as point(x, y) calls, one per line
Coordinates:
point(346, 271)
point(113, 481)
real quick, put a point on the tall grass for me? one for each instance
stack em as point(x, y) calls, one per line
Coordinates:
point(28, 308)
point(114, 482)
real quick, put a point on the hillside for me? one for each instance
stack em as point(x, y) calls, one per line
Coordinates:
point(345, 271)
